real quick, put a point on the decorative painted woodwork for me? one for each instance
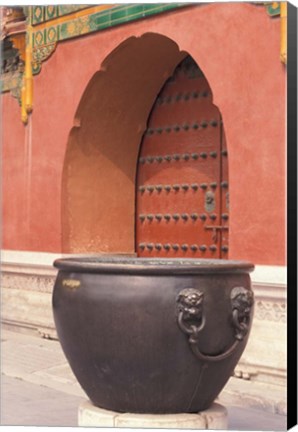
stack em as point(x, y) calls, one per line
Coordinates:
point(13, 56)
point(279, 9)
point(273, 8)
point(52, 24)
point(47, 25)
point(283, 29)
point(182, 180)
point(42, 14)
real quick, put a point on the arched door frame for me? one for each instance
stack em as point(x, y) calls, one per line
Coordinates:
point(98, 187)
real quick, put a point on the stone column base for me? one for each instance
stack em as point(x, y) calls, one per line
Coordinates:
point(215, 417)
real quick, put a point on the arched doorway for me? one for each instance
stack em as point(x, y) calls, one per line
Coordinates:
point(101, 161)
point(182, 178)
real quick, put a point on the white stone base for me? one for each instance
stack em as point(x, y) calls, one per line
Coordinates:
point(215, 417)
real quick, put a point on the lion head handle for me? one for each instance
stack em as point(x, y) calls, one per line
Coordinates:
point(241, 301)
point(191, 319)
point(190, 304)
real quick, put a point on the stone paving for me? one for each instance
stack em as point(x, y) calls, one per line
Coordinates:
point(37, 380)
point(27, 404)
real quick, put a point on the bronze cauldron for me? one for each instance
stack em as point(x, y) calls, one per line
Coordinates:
point(152, 335)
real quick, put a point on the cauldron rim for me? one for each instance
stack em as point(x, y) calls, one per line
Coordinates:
point(125, 264)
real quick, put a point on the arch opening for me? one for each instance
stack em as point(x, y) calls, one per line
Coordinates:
point(100, 166)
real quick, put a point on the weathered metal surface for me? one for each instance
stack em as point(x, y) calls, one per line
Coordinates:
point(119, 321)
point(182, 165)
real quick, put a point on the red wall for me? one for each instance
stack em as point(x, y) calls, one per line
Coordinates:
point(237, 47)
point(14, 180)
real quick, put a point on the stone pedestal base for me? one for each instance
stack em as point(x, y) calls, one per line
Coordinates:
point(213, 418)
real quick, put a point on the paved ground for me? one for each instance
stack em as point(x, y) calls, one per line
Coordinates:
point(39, 389)
point(27, 404)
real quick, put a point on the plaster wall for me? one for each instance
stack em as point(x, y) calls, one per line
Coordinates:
point(237, 47)
point(14, 181)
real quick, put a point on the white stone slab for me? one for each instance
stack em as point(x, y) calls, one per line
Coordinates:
point(215, 417)
point(89, 415)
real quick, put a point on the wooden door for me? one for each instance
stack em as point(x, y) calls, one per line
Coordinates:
point(182, 176)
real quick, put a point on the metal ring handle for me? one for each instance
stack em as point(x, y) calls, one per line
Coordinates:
point(191, 319)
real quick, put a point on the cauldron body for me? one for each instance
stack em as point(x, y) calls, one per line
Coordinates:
point(152, 335)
